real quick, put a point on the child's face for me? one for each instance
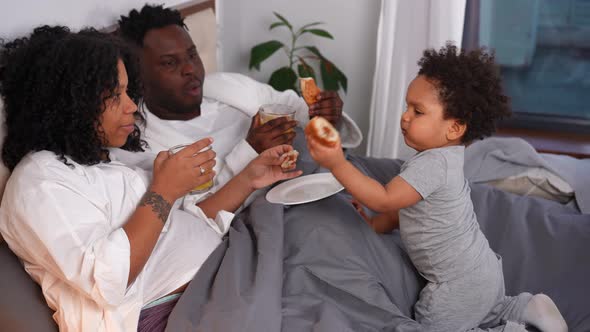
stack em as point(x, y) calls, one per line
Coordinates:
point(422, 123)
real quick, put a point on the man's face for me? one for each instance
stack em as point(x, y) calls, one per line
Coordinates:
point(172, 72)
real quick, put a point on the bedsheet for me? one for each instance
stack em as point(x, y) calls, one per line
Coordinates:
point(319, 267)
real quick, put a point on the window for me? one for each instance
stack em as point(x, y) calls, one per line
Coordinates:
point(543, 49)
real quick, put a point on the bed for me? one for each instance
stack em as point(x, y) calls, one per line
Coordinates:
point(319, 267)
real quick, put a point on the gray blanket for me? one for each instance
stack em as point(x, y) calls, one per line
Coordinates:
point(319, 267)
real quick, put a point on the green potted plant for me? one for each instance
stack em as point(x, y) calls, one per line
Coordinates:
point(299, 58)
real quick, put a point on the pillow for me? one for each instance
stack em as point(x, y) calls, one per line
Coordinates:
point(536, 181)
point(22, 306)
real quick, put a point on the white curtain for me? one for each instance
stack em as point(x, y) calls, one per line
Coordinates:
point(406, 28)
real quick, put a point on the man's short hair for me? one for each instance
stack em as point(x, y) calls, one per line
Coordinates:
point(135, 26)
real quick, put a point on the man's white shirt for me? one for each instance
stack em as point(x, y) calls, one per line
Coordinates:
point(230, 101)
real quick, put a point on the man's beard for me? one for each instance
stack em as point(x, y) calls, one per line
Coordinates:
point(187, 108)
point(175, 106)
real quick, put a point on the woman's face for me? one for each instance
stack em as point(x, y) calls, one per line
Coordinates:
point(117, 120)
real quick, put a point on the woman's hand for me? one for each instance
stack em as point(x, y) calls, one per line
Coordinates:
point(266, 168)
point(177, 174)
point(260, 172)
point(328, 157)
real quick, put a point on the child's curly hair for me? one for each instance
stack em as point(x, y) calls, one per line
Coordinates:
point(54, 84)
point(469, 86)
point(135, 26)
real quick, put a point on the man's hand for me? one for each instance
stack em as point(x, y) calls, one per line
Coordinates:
point(328, 105)
point(270, 134)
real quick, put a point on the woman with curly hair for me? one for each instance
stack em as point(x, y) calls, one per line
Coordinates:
point(455, 99)
point(102, 239)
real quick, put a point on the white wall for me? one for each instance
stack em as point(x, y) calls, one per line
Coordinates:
point(19, 17)
point(353, 23)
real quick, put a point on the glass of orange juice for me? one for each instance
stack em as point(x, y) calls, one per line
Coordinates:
point(272, 111)
point(205, 186)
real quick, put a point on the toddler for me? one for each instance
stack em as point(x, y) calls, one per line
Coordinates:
point(455, 99)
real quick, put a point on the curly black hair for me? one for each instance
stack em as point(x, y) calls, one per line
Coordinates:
point(54, 84)
point(135, 26)
point(469, 87)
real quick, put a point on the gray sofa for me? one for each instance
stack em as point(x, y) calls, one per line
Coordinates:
point(22, 306)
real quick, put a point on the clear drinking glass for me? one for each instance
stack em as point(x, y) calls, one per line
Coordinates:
point(205, 186)
point(272, 111)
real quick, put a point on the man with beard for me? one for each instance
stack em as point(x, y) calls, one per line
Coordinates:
point(182, 105)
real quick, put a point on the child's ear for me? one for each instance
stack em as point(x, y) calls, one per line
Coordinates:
point(456, 130)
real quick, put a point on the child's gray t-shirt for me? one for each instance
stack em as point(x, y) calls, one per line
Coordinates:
point(440, 232)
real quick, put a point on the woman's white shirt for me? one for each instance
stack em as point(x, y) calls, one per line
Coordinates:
point(64, 222)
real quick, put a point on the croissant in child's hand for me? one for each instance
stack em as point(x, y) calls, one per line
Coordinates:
point(322, 131)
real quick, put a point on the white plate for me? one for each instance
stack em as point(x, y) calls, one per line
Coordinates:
point(304, 189)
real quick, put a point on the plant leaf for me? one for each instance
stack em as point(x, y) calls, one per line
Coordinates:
point(315, 51)
point(318, 32)
point(342, 79)
point(310, 25)
point(276, 24)
point(262, 52)
point(332, 77)
point(280, 17)
point(305, 70)
point(283, 79)
point(300, 31)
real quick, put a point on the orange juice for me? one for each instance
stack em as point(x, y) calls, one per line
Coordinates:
point(203, 187)
point(272, 111)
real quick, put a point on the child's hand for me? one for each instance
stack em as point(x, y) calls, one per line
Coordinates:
point(385, 222)
point(361, 210)
point(328, 157)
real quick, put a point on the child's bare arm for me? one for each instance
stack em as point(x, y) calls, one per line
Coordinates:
point(397, 194)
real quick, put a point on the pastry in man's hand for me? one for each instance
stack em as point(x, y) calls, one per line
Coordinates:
point(322, 131)
point(309, 90)
point(290, 158)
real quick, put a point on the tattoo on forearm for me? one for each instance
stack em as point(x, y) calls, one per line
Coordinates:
point(159, 205)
